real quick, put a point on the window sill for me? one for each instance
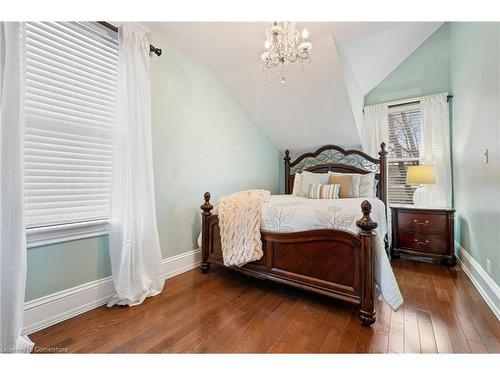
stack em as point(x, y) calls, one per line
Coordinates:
point(67, 232)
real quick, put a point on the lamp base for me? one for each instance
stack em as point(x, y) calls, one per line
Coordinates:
point(422, 197)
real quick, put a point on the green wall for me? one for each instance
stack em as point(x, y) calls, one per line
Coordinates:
point(464, 59)
point(64, 265)
point(203, 140)
point(475, 83)
point(424, 72)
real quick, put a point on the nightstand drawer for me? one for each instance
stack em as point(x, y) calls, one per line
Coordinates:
point(423, 223)
point(425, 243)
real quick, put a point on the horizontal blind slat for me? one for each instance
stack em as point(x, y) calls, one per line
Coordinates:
point(100, 47)
point(71, 79)
point(63, 48)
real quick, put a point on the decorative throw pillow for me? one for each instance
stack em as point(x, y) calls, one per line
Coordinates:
point(367, 185)
point(323, 192)
point(304, 179)
point(349, 184)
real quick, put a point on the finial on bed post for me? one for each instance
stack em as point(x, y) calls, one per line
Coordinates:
point(366, 224)
point(367, 265)
point(206, 207)
point(205, 216)
point(287, 172)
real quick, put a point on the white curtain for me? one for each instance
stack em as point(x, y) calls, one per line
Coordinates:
point(12, 231)
point(133, 240)
point(375, 128)
point(436, 146)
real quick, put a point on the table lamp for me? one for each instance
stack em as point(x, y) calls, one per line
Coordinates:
point(421, 175)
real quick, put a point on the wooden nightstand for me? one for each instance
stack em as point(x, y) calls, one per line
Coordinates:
point(423, 232)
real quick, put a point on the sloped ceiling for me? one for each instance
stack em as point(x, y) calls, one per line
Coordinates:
point(323, 106)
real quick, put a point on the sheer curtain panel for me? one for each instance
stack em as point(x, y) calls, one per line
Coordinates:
point(436, 146)
point(12, 226)
point(133, 239)
point(375, 129)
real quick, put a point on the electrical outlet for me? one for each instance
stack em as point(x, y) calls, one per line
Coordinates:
point(488, 267)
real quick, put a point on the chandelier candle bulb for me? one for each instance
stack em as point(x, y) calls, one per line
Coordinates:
point(305, 34)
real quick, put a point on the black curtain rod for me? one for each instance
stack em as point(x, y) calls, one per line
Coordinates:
point(156, 51)
point(448, 97)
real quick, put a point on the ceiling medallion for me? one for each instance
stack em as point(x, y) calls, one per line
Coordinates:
point(283, 47)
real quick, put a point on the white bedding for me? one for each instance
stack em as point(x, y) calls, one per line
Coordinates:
point(289, 213)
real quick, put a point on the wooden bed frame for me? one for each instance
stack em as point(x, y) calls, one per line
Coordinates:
point(332, 262)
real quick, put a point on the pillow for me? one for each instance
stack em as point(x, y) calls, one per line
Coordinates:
point(304, 179)
point(323, 191)
point(349, 184)
point(367, 187)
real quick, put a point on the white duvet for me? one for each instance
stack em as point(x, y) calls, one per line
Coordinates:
point(289, 213)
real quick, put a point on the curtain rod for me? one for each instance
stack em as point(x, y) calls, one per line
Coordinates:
point(448, 97)
point(399, 103)
point(156, 51)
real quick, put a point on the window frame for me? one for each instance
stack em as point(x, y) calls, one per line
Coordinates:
point(42, 236)
point(57, 233)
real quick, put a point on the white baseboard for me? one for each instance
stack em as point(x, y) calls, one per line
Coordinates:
point(484, 284)
point(54, 308)
point(181, 263)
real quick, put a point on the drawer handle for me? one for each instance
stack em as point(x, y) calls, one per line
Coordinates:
point(421, 223)
point(422, 243)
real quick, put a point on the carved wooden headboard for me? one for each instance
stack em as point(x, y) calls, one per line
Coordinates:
point(336, 159)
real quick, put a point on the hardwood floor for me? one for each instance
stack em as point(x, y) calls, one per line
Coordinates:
point(226, 312)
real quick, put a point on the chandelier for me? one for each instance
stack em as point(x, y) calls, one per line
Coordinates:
point(283, 47)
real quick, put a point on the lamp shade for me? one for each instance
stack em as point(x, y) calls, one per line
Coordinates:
point(420, 174)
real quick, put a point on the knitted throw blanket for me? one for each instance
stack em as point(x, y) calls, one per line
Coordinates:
point(239, 222)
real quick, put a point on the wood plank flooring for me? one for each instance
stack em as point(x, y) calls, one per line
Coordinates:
point(226, 312)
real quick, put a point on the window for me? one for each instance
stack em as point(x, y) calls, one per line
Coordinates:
point(405, 136)
point(71, 73)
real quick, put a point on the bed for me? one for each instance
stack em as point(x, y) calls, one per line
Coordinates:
point(339, 262)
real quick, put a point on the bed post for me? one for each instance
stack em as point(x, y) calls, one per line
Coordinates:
point(383, 173)
point(287, 172)
point(205, 215)
point(367, 265)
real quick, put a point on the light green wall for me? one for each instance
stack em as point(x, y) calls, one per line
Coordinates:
point(475, 83)
point(203, 140)
point(424, 72)
point(463, 59)
point(65, 265)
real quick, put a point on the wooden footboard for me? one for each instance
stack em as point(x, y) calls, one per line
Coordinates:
point(332, 262)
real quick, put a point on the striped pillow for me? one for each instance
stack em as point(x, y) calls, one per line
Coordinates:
point(323, 191)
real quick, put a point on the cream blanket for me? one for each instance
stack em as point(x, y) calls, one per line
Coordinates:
point(240, 222)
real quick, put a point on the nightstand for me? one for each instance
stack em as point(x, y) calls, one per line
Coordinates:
point(423, 232)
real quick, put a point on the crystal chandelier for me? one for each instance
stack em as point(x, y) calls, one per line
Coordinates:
point(283, 47)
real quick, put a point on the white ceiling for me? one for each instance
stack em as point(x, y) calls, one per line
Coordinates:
point(325, 105)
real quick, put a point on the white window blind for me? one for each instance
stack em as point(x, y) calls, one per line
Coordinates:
point(71, 72)
point(405, 135)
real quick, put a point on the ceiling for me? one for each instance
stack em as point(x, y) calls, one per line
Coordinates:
point(324, 106)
